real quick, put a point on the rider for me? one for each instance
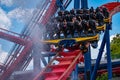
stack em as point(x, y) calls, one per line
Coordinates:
point(92, 25)
point(85, 14)
point(78, 26)
point(105, 12)
point(91, 10)
point(85, 26)
point(99, 17)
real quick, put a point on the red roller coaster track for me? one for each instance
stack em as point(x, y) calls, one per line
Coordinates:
point(113, 7)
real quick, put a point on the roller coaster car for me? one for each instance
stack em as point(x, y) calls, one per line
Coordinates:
point(77, 40)
point(70, 43)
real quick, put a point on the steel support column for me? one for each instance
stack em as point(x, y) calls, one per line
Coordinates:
point(87, 69)
point(60, 4)
point(106, 40)
point(93, 76)
point(76, 4)
point(84, 4)
point(109, 63)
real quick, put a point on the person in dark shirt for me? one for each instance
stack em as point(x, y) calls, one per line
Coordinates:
point(56, 30)
point(105, 12)
point(67, 16)
point(97, 9)
point(71, 28)
point(92, 26)
point(92, 13)
point(91, 10)
point(85, 26)
point(78, 26)
point(65, 28)
point(79, 14)
point(60, 16)
point(85, 14)
point(72, 12)
point(100, 18)
point(93, 16)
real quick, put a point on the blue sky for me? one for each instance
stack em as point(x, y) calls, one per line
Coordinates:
point(16, 13)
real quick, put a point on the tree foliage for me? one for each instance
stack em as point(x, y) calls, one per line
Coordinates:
point(103, 77)
point(115, 47)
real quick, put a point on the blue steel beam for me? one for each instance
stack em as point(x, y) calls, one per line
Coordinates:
point(76, 4)
point(66, 5)
point(109, 64)
point(106, 40)
point(87, 68)
point(93, 76)
point(60, 4)
point(84, 4)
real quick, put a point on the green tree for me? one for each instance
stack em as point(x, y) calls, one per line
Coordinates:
point(115, 47)
point(103, 77)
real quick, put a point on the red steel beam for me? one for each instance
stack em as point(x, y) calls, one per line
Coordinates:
point(6, 74)
point(12, 38)
point(27, 47)
point(113, 8)
point(51, 10)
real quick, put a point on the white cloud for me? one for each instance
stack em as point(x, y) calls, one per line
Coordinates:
point(6, 2)
point(20, 14)
point(111, 37)
point(22, 3)
point(5, 22)
point(3, 55)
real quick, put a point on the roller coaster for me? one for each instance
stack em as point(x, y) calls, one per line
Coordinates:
point(61, 64)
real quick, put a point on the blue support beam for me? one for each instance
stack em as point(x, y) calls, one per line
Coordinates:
point(84, 4)
point(106, 40)
point(60, 4)
point(66, 5)
point(93, 76)
point(76, 4)
point(87, 69)
point(109, 63)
